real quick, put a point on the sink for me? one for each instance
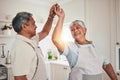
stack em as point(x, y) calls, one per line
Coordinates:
point(3, 72)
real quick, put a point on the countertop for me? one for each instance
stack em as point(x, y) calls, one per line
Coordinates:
point(59, 62)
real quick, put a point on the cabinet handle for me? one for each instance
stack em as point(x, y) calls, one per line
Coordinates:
point(118, 74)
point(65, 68)
point(117, 43)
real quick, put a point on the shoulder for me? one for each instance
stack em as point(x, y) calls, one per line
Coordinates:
point(20, 44)
point(70, 47)
point(70, 44)
point(21, 47)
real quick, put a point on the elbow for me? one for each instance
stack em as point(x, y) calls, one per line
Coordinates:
point(46, 33)
point(54, 40)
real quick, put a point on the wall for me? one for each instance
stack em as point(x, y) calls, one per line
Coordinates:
point(117, 36)
point(99, 18)
point(118, 20)
point(11, 7)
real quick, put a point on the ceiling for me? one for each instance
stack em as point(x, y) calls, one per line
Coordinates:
point(47, 2)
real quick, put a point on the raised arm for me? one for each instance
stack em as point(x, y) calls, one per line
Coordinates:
point(109, 70)
point(56, 36)
point(47, 27)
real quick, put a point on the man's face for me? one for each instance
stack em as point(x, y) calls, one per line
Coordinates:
point(31, 27)
point(77, 31)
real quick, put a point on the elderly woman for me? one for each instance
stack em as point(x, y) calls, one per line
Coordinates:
point(85, 62)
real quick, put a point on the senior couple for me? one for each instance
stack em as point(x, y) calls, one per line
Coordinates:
point(27, 60)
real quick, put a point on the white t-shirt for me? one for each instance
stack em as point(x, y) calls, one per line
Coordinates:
point(24, 58)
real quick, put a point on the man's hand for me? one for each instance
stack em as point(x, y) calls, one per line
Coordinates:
point(52, 13)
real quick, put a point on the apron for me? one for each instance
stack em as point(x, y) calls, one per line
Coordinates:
point(89, 64)
point(40, 71)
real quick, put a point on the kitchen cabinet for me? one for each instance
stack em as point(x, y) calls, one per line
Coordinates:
point(59, 72)
point(106, 77)
point(48, 66)
point(10, 75)
point(119, 77)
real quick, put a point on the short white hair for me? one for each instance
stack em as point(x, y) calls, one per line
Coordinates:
point(80, 22)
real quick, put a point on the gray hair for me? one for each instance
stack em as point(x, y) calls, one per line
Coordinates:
point(19, 19)
point(80, 22)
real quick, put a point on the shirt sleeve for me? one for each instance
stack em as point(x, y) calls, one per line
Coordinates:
point(70, 52)
point(66, 50)
point(106, 61)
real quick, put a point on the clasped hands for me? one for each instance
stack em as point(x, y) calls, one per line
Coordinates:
point(56, 10)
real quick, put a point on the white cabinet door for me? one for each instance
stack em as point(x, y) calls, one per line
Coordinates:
point(10, 74)
point(105, 77)
point(59, 72)
point(48, 69)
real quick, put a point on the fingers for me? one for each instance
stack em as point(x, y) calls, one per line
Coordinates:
point(56, 10)
point(54, 7)
point(52, 13)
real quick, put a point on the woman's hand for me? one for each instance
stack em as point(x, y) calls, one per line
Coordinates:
point(59, 11)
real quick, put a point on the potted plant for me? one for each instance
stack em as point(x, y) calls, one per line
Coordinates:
point(6, 30)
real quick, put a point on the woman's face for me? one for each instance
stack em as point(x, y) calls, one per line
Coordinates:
point(78, 31)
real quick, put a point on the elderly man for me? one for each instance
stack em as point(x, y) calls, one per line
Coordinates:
point(27, 59)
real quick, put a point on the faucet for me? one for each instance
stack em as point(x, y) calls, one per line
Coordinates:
point(3, 53)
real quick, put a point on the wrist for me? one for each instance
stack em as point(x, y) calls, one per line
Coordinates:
point(115, 78)
point(50, 17)
point(61, 17)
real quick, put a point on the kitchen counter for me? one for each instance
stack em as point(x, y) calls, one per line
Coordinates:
point(57, 69)
point(47, 62)
point(59, 62)
point(7, 65)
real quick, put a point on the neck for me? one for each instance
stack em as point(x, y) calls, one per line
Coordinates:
point(25, 35)
point(83, 41)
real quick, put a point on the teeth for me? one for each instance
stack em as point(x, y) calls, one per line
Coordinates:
point(77, 33)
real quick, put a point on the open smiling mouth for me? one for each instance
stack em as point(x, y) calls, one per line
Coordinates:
point(77, 33)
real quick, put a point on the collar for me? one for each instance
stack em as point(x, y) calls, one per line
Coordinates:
point(84, 45)
point(27, 40)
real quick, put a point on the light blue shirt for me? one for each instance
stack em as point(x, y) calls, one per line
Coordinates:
point(71, 53)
